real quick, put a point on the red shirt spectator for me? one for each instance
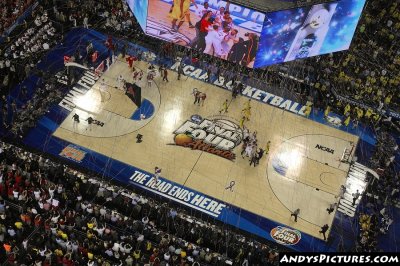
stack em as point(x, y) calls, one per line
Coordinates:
point(26, 218)
point(10, 192)
point(18, 178)
point(95, 55)
point(38, 221)
point(204, 24)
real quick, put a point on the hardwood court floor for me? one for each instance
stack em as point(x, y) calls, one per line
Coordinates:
point(295, 174)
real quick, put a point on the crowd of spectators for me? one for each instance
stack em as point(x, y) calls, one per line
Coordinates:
point(71, 218)
point(34, 39)
point(24, 51)
point(18, 60)
point(26, 116)
point(382, 194)
point(65, 217)
point(10, 10)
point(369, 72)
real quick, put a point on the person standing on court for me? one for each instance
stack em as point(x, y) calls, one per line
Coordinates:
point(203, 97)
point(341, 193)
point(161, 70)
point(260, 155)
point(224, 107)
point(157, 172)
point(267, 147)
point(249, 150)
point(254, 158)
point(75, 117)
point(197, 97)
point(323, 230)
point(331, 208)
point(180, 71)
point(241, 122)
point(295, 214)
point(165, 75)
point(130, 59)
point(103, 89)
point(120, 81)
point(150, 77)
point(90, 121)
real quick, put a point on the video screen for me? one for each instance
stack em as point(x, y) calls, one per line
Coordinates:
point(308, 31)
point(219, 28)
point(139, 9)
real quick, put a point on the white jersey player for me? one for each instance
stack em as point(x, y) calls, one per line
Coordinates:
point(249, 150)
point(213, 40)
point(103, 90)
point(228, 41)
point(120, 82)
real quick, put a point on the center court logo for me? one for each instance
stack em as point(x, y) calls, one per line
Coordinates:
point(216, 136)
point(285, 236)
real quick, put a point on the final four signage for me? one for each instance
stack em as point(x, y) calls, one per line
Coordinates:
point(84, 84)
point(285, 236)
point(217, 136)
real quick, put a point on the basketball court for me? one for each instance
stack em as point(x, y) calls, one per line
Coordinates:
point(302, 170)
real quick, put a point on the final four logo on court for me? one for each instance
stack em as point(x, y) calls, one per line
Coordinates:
point(216, 136)
point(73, 153)
point(285, 236)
